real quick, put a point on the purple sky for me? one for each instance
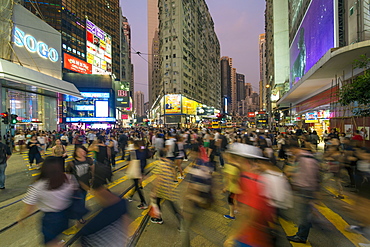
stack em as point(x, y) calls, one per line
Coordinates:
point(237, 22)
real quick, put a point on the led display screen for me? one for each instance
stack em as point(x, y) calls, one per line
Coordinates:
point(85, 107)
point(101, 108)
point(314, 38)
point(95, 95)
point(99, 49)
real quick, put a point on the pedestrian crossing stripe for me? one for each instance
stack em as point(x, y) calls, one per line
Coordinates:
point(291, 229)
point(335, 192)
point(340, 224)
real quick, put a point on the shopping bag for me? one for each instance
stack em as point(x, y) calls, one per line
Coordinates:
point(133, 170)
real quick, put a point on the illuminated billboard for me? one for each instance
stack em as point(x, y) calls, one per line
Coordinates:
point(314, 38)
point(77, 65)
point(189, 106)
point(123, 98)
point(173, 104)
point(98, 49)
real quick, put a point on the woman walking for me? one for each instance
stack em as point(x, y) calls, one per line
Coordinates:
point(34, 147)
point(52, 193)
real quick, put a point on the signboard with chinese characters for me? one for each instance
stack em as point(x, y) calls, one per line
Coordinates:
point(77, 65)
point(173, 104)
point(99, 49)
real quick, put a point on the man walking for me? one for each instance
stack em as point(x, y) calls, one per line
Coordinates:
point(306, 183)
point(122, 142)
point(5, 154)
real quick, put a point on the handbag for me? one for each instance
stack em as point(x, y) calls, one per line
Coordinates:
point(154, 211)
point(133, 170)
point(77, 209)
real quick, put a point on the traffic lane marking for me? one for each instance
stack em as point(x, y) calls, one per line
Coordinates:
point(340, 224)
point(291, 229)
point(136, 223)
point(334, 192)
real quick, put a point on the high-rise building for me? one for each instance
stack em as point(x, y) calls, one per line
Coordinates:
point(263, 71)
point(153, 51)
point(74, 18)
point(125, 53)
point(240, 86)
point(248, 89)
point(226, 65)
point(189, 55)
point(234, 94)
point(139, 103)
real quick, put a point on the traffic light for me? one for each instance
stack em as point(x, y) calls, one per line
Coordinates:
point(13, 118)
point(219, 116)
point(277, 116)
point(5, 117)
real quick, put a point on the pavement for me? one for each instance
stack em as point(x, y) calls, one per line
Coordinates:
point(331, 216)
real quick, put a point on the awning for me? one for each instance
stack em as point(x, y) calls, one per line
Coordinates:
point(13, 74)
point(320, 76)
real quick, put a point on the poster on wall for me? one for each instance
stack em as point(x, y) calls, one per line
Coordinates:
point(173, 104)
point(348, 130)
point(364, 131)
point(314, 37)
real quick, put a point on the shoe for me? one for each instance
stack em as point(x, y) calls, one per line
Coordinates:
point(180, 177)
point(339, 197)
point(156, 221)
point(185, 160)
point(129, 199)
point(229, 217)
point(175, 181)
point(355, 229)
point(296, 239)
point(2, 188)
point(142, 206)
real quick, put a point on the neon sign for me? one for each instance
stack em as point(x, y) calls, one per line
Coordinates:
point(32, 45)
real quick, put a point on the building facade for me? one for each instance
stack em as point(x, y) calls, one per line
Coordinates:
point(153, 51)
point(189, 56)
point(139, 103)
point(31, 84)
point(226, 65)
point(317, 70)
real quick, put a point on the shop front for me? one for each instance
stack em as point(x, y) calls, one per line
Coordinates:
point(30, 73)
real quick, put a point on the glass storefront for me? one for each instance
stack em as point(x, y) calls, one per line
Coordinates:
point(34, 111)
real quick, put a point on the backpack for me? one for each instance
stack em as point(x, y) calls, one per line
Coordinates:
point(3, 153)
point(278, 190)
point(223, 142)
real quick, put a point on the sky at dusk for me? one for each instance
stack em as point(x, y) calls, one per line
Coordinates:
point(238, 24)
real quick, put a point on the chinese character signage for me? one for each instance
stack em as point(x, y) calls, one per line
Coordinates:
point(122, 98)
point(76, 64)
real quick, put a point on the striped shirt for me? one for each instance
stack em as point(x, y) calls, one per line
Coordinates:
point(166, 175)
point(51, 200)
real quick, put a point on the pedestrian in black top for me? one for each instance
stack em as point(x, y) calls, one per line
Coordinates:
point(5, 154)
point(34, 147)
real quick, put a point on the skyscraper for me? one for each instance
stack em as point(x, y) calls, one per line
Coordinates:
point(153, 51)
point(189, 55)
point(226, 65)
point(263, 71)
point(240, 86)
point(139, 103)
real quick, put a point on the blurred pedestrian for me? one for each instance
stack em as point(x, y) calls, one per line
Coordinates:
point(34, 147)
point(51, 193)
point(5, 154)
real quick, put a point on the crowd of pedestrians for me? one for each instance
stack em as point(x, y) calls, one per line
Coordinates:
point(261, 172)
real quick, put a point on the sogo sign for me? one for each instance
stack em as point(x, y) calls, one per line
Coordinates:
point(32, 45)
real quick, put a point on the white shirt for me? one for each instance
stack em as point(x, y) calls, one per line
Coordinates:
point(18, 138)
point(51, 200)
point(171, 147)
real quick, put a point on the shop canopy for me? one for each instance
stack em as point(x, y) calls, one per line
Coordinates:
point(319, 78)
point(15, 76)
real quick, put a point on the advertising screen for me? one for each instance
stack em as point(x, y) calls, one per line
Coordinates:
point(98, 49)
point(189, 106)
point(77, 65)
point(314, 38)
point(95, 95)
point(101, 108)
point(173, 104)
point(85, 107)
point(123, 98)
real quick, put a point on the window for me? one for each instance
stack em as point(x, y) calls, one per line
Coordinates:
point(174, 55)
